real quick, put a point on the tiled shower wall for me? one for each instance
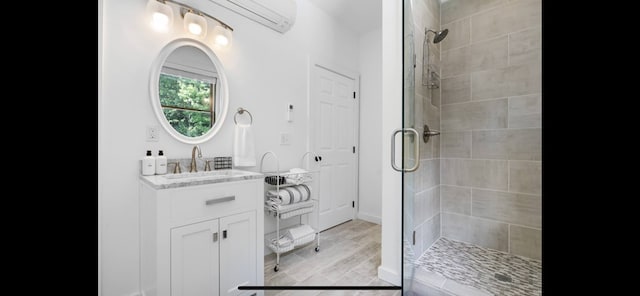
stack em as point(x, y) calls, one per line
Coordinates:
point(426, 207)
point(491, 124)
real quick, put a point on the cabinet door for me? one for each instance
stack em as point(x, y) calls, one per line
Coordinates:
point(238, 253)
point(195, 260)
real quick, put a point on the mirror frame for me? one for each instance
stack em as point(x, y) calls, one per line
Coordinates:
point(221, 101)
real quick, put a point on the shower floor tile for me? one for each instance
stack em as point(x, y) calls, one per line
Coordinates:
point(487, 270)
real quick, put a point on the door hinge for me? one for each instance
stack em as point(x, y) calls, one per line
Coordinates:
point(354, 149)
point(354, 94)
point(414, 237)
point(215, 237)
point(353, 203)
point(224, 234)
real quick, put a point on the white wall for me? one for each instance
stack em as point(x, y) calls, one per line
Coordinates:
point(99, 147)
point(266, 70)
point(370, 171)
point(390, 268)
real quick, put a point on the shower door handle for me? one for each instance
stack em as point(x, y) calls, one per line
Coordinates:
point(416, 144)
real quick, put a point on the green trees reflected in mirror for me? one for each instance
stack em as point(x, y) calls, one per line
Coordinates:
point(187, 103)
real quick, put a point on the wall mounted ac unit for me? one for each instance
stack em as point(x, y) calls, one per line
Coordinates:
point(279, 15)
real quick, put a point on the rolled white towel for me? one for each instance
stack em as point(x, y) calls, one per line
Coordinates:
point(270, 202)
point(296, 196)
point(305, 190)
point(294, 206)
point(283, 195)
point(275, 200)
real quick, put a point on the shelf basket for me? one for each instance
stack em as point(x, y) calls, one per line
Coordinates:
point(298, 242)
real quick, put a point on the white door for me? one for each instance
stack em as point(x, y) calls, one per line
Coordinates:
point(238, 253)
point(194, 259)
point(334, 118)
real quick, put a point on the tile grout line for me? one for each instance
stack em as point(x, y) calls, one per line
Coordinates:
point(508, 51)
point(471, 202)
point(497, 221)
point(508, 175)
point(525, 64)
point(509, 238)
point(488, 99)
point(470, 143)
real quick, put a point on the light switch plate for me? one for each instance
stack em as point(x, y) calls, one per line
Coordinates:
point(285, 139)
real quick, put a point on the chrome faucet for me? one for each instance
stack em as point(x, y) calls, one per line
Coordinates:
point(194, 167)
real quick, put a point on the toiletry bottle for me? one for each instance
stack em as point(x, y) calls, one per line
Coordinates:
point(161, 163)
point(148, 164)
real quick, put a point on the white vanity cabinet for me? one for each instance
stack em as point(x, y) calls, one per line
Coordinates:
point(203, 239)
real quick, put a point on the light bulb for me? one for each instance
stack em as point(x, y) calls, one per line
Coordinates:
point(195, 29)
point(222, 36)
point(195, 24)
point(160, 21)
point(222, 40)
point(161, 15)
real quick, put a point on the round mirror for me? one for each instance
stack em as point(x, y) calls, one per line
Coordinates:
point(189, 91)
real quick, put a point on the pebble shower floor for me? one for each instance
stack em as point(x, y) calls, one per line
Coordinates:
point(492, 271)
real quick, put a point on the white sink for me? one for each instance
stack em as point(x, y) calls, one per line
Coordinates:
point(208, 174)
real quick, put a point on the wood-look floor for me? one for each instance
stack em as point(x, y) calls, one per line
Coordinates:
point(349, 256)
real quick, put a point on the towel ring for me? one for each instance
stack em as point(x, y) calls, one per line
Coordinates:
point(240, 111)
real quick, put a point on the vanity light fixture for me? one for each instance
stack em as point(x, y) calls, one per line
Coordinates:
point(161, 15)
point(194, 21)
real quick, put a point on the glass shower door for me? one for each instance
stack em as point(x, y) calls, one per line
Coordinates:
point(410, 150)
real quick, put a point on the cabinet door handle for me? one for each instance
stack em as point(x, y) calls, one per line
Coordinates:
point(215, 237)
point(219, 200)
point(224, 234)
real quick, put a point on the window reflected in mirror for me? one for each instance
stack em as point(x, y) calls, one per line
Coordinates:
point(187, 91)
point(187, 102)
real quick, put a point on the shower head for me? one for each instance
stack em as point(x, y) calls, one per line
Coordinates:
point(440, 35)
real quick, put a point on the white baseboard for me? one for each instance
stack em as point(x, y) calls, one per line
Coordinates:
point(390, 276)
point(369, 218)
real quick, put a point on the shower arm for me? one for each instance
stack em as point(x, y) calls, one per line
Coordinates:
point(426, 43)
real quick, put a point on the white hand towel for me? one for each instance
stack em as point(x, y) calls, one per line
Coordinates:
point(282, 242)
point(300, 231)
point(244, 149)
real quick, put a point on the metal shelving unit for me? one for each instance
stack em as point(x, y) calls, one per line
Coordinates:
point(292, 210)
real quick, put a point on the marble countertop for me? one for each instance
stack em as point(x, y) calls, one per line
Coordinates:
point(201, 178)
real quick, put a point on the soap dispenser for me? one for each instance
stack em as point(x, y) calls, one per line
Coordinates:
point(161, 163)
point(149, 164)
